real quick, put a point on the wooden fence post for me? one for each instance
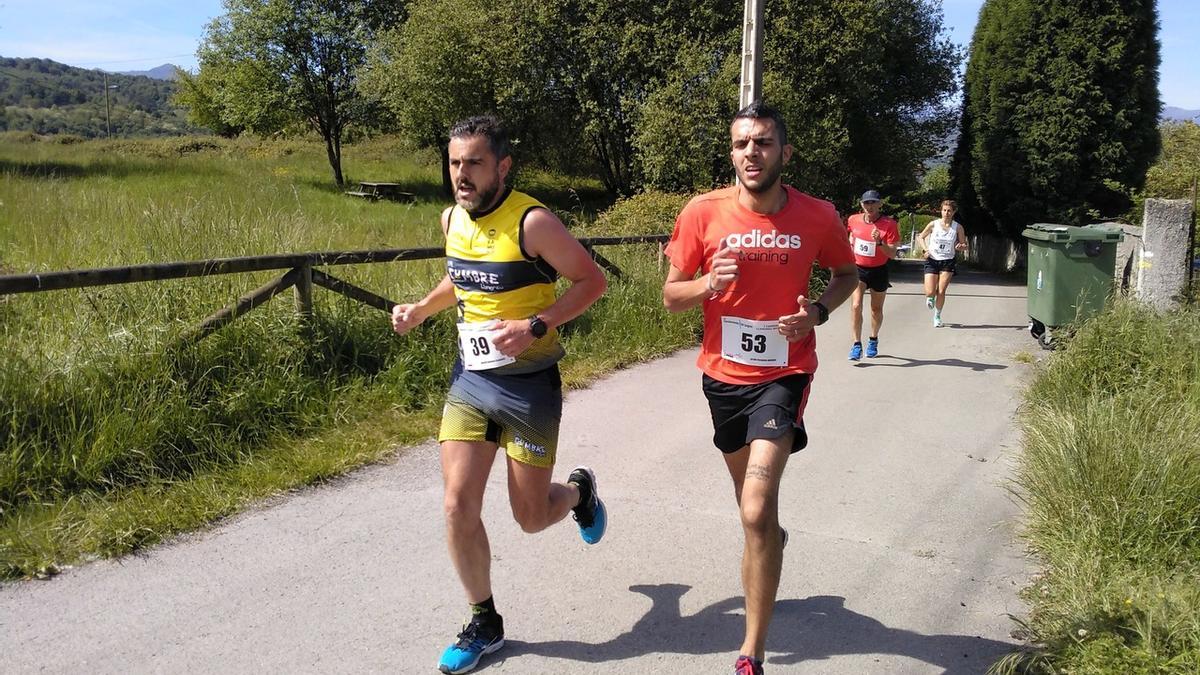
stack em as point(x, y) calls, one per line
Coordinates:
point(303, 293)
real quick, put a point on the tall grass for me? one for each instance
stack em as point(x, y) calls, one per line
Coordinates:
point(113, 436)
point(1111, 478)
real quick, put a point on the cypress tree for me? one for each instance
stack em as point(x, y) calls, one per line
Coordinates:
point(1060, 110)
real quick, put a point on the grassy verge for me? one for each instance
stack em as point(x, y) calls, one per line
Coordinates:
point(112, 437)
point(1111, 479)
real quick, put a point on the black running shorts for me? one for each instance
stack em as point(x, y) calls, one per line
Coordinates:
point(744, 412)
point(876, 278)
point(938, 266)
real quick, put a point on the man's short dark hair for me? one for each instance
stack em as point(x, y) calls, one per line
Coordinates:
point(488, 126)
point(761, 111)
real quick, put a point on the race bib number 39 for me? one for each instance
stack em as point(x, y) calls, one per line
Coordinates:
point(478, 350)
point(753, 343)
point(864, 247)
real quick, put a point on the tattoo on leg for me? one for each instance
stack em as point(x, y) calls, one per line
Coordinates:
point(759, 471)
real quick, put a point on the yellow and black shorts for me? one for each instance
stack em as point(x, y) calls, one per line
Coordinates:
point(518, 412)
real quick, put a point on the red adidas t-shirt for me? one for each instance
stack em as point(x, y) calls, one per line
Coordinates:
point(740, 343)
point(863, 243)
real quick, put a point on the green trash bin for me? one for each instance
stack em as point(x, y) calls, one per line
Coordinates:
point(1070, 273)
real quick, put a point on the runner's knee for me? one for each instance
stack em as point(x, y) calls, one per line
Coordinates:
point(760, 512)
point(461, 512)
point(530, 518)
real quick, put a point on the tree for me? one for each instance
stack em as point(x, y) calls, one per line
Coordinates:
point(492, 57)
point(567, 75)
point(1060, 110)
point(275, 63)
point(1176, 170)
point(199, 95)
point(617, 54)
point(861, 85)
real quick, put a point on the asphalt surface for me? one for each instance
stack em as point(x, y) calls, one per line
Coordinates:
point(903, 555)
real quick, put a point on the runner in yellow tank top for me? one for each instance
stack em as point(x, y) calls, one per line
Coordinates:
point(504, 251)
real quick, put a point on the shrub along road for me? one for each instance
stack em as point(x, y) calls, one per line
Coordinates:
point(903, 555)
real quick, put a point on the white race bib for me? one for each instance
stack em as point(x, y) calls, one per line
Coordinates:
point(943, 247)
point(753, 343)
point(478, 350)
point(864, 247)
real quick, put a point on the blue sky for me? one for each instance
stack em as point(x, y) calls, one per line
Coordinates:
point(140, 34)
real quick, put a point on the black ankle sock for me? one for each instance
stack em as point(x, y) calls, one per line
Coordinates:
point(859, 343)
point(585, 495)
point(484, 611)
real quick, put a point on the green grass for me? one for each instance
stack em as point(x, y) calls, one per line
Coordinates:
point(112, 436)
point(1111, 479)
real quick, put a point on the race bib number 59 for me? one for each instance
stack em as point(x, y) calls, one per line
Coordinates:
point(478, 350)
point(753, 343)
point(864, 247)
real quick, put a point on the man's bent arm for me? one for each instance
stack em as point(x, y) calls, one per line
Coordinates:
point(546, 237)
point(441, 297)
point(682, 292)
point(842, 282)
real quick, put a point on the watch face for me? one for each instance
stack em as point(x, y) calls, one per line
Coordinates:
point(537, 327)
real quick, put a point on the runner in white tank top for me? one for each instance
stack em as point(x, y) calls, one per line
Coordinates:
point(942, 242)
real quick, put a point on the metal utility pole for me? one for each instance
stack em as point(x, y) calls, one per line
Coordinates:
point(752, 46)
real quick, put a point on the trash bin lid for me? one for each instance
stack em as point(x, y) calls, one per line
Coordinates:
point(1068, 233)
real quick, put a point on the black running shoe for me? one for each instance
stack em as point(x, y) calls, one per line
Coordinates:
point(590, 514)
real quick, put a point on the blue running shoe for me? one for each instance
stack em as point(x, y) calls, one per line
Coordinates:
point(855, 352)
point(476, 639)
point(591, 515)
point(872, 348)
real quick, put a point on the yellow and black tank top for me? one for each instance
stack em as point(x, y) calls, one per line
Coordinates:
point(494, 278)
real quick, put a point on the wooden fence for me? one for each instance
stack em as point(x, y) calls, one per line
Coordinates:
point(300, 276)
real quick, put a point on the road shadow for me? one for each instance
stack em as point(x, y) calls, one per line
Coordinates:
point(813, 628)
point(951, 295)
point(986, 325)
point(913, 363)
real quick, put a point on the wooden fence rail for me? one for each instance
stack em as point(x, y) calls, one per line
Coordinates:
point(300, 276)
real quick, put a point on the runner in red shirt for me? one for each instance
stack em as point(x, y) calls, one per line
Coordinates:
point(745, 253)
point(874, 237)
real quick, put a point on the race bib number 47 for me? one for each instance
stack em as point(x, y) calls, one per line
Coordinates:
point(478, 350)
point(753, 343)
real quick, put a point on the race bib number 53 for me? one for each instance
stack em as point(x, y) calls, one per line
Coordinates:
point(753, 343)
point(478, 350)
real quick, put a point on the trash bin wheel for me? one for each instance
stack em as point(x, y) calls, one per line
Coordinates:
point(1047, 341)
point(1036, 328)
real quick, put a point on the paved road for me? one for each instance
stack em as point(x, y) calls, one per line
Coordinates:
point(903, 556)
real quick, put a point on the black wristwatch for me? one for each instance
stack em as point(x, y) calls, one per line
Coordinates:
point(822, 313)
point(539, 328)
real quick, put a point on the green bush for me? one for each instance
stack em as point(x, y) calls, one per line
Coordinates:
point(1111, 479)
point(650, 212)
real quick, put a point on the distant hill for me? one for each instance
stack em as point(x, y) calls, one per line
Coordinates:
point(47, 97)
point(164, 72)
point(1180, 115)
